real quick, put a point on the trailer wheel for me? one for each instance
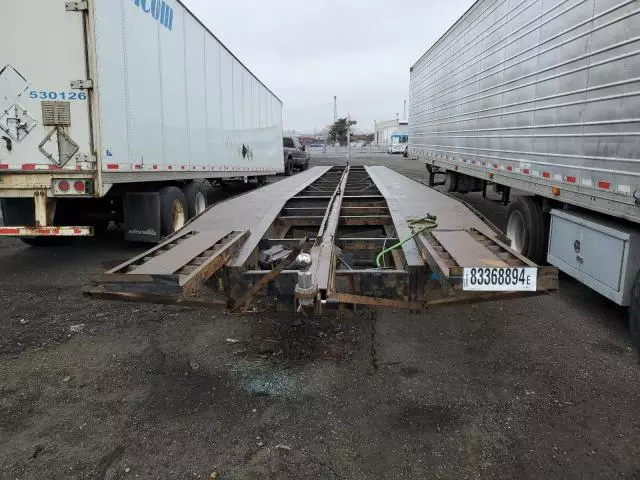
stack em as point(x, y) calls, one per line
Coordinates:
point(196, 195)
point(634, 313)
point(173, 210)
point(525, 228)
point(451, 181)
point(288, 167)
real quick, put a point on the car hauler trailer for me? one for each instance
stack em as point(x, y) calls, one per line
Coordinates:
point(122, 111)
point(328, 237)
point(543, 97)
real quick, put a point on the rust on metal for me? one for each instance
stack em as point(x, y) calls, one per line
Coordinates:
point(351, 214)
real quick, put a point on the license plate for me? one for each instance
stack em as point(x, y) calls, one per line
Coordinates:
point(514, 279)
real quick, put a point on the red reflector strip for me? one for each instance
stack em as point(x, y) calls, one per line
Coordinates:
point(604, 185)
point(495, 165)
point(525, 171)
point(169, 167)
point(571, 179)
point(54, 167)
point(546, 174)
point(29, 166)
point(509, 168)
point(112, 166)
point(138, 167)
point(45, 231)
point(4, 166)
point(155, 167)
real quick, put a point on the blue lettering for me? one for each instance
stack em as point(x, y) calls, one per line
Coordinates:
point(159, 10)
point(155, 8)
point(169, 19)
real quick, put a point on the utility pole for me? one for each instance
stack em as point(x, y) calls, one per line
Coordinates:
point(349, 139)
point(335, 109)
point(375, 132)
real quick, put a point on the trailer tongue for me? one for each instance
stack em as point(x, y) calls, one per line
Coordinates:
point(332, 236)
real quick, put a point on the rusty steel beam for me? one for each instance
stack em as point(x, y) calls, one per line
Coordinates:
point(237, 304)
point(299, 221)
point(323, 251)
point(303, 211)
point(376, 302)
point(368, 244)
point(365, 210)
point(365, 220)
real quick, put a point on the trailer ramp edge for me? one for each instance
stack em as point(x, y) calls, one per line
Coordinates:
point(345, 219)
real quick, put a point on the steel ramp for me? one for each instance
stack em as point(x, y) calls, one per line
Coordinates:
point(171, 271)
point(360, 228)
point(449, 252)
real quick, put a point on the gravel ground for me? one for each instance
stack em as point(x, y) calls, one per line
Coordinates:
point(547, 387)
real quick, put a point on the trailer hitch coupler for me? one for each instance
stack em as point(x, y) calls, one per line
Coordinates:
point(305, 292)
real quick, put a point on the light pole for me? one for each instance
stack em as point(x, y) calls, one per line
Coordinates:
point(349, 139)
point(375, 133)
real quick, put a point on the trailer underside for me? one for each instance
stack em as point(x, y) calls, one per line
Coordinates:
point(346, 219)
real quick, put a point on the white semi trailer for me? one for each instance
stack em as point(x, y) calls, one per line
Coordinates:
point(544, 97)
point(122, 111)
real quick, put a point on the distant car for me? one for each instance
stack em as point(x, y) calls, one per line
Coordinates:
point(295, 155)
point(402, 148)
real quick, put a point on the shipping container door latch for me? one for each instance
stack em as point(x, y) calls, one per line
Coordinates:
point(77, 6)
point(81, 84)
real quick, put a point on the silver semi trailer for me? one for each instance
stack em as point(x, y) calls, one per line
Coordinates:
point(543, 96)
point(122, 111)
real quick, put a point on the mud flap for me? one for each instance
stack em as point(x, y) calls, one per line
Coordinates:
point(142, 217)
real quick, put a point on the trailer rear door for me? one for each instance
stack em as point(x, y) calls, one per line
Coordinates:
point(44, 121)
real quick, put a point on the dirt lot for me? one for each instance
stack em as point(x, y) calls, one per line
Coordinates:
point(537, 388)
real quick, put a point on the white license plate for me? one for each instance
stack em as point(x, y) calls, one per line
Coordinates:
point(508, 279)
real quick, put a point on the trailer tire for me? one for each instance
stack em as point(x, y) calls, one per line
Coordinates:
point(288, 167)
point(634, 313)
point(526, 228)
point(196, 196)
point(451, 181)
point(173, 210)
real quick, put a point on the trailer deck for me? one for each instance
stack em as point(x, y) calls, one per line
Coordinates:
point(345, 219)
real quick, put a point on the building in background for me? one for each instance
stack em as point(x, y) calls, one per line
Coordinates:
point(384, 131)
